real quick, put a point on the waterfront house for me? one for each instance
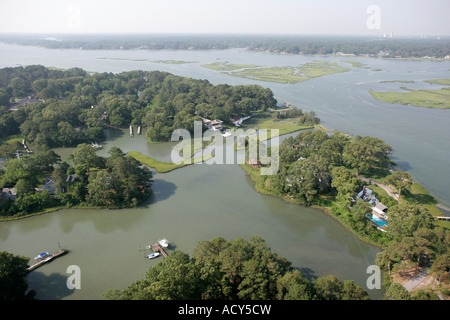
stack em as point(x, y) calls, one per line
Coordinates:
point(216, 125)
point(379, 211)
point(9, 194)
point(49, 185)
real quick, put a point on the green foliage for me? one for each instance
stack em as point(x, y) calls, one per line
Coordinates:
point(233, 270)
point(116, 181)
point(71, 107)
point(366, 152)
point(397, 292)
point(13, 271)
point(406, 218)
point(292, 44)
point(401, 180)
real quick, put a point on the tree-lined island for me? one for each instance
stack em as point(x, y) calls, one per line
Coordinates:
point(396, 48)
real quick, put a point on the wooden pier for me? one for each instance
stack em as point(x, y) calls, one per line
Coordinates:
point(157, 248)
point(49, 258)
point(443, 218)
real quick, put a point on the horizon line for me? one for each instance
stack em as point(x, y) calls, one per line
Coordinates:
point(381, 35)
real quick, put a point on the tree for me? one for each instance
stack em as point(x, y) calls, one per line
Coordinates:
point(345, 182)
point(350, 291)
point(23, 187)
point(13, 271)
point(232, 270)
point(441, 267)
point(334, 147)
point(101, 190)
point(358, 214)
point(365, 153)
point(400, 180)
point(14, 170)
point(4, 97)
point(329, 288)
point(397, 292)
point(85, 155)
point(386, 258)
point(9, 150)
point(293, 286)
point(405, 218)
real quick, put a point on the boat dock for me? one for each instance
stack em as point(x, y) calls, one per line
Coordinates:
point(443, 218)
point(157, 248)
point(49, 258)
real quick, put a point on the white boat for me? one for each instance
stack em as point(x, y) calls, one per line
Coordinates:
point(41, 255)
point(163, 243)
point(153, 255)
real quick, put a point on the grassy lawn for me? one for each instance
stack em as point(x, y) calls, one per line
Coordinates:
point(268, 120)
point(161, 166)
point(419, 98)
point(11, 139)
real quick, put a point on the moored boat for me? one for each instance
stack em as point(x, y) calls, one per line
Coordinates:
point(153, 255)
point(163, 243)
point(41, 255)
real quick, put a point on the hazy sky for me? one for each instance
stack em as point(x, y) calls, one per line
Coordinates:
point(402, 17)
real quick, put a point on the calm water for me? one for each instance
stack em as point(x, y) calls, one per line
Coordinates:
point(203, 202)
point(189, 205)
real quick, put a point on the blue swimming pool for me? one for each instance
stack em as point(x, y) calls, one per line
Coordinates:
point(377, 220)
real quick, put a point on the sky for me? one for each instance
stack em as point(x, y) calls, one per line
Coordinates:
point(331, 17)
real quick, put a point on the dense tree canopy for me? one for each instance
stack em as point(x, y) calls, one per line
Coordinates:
point(116, 181)
point(13, 271)
point(293, 44)
point(66, 108)
point(233, 270)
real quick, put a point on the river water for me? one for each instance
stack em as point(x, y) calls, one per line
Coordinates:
point(201, 202)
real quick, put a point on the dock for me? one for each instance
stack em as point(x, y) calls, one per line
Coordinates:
point(50, 258)
point(443, 218)
point(157, 248)
point(131, 132)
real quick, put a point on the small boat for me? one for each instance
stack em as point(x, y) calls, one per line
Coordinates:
point(163, 243)
point(41, 255)
point(153, 255)
point(96, 146)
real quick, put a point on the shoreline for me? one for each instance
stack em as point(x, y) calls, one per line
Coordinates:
point(324, 209)
point(282, 53)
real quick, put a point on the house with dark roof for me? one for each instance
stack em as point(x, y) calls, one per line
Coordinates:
point(9, 194)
